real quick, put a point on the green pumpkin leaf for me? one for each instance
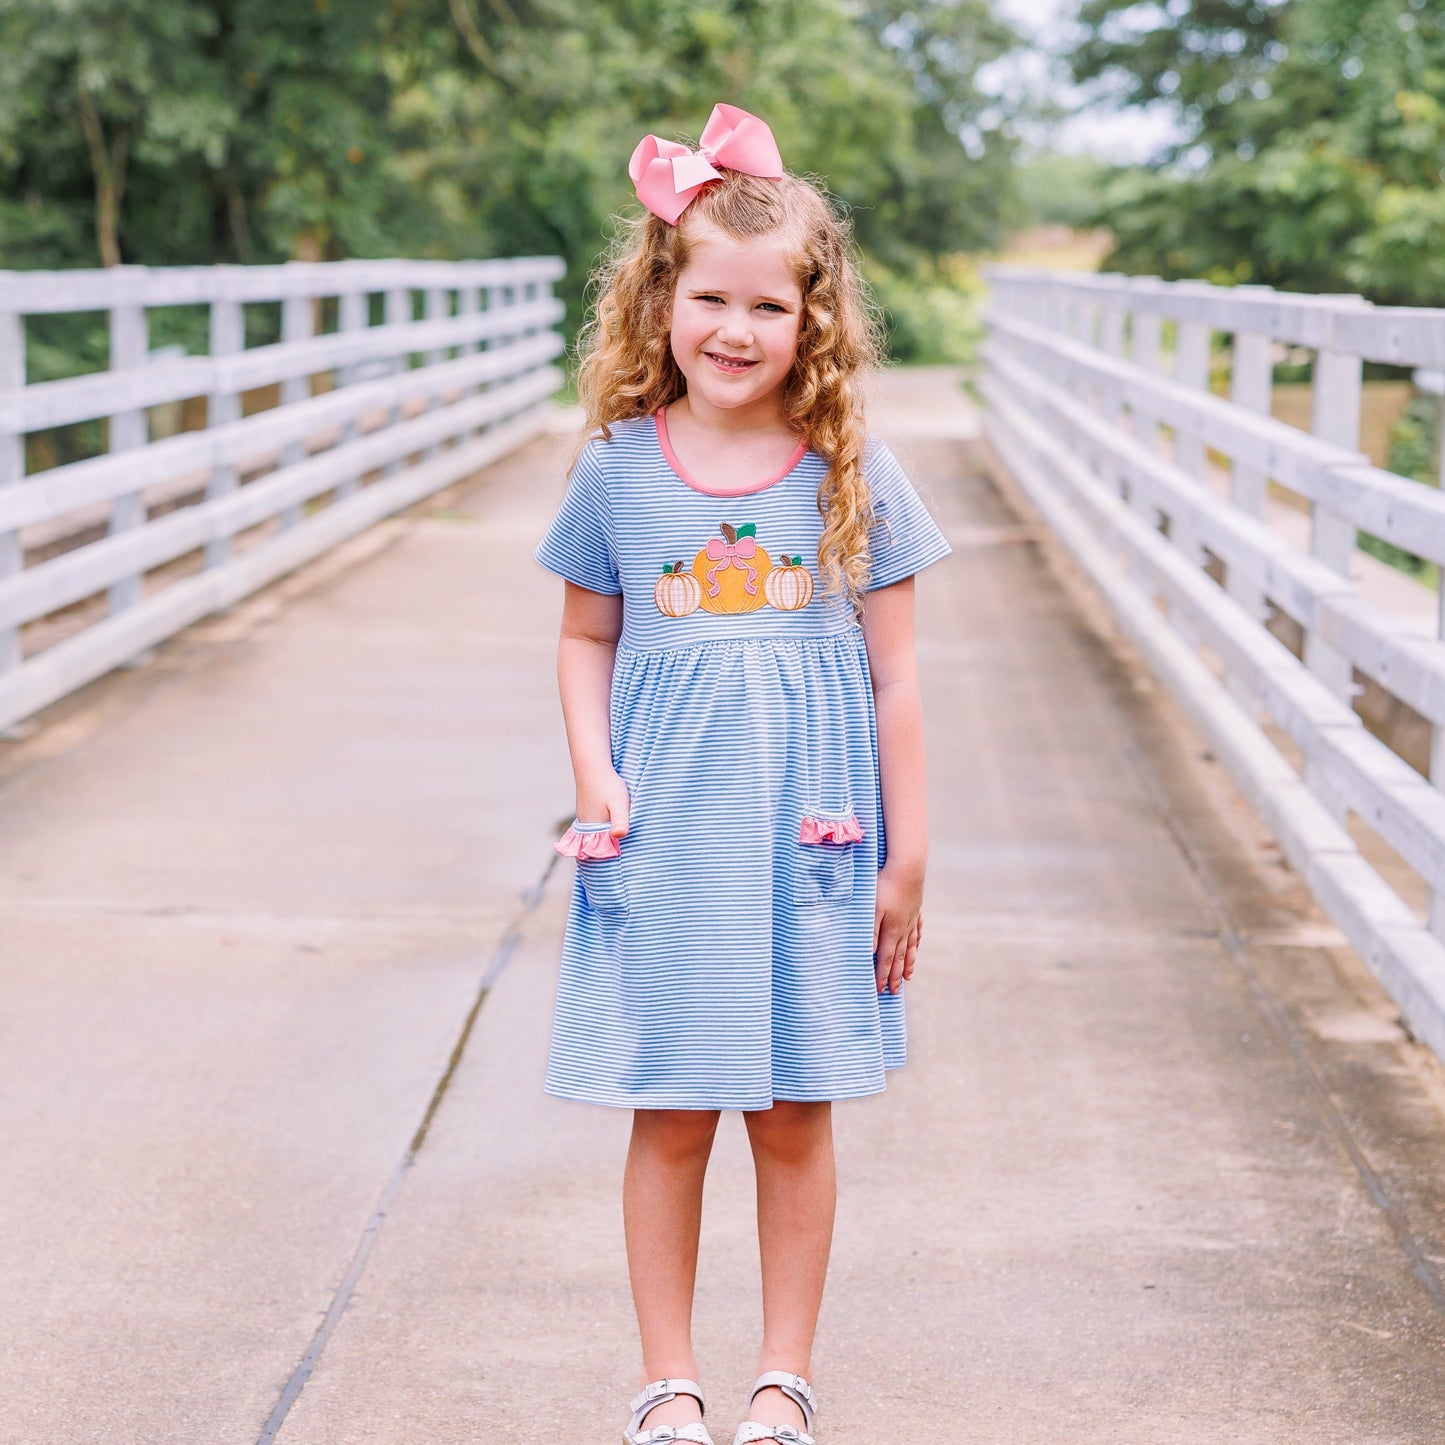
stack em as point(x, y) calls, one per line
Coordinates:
point(667, 567)
point(750, 530)
point(797, 561)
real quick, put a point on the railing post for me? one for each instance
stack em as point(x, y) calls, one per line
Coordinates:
point(352, 312)
point(1060, 307)
point(1111, 338)
point(298, 323)
point(1251, 387)
point(398, 312)
point(127, 430)
point(1437, 733)
point(228, 338)
point(1146, 346)
point(498, 296)
point(469, 303)
point(1191, 368)
point(1086, 332)
point(1335, 418)
point(438, 308)
point(1145, 335)
point(1335, 397)
point(12, 465)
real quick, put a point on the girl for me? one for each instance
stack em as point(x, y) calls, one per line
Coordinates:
point(741, 699)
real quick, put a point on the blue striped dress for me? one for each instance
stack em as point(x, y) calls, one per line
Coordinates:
point(723, 958)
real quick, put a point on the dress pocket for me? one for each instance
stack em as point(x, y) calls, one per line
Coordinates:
point(827, 845)
point(599, 865)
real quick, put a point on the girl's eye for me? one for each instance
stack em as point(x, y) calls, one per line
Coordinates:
point(762, 305)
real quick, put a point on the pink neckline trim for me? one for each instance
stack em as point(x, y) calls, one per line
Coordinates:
point(660, 418)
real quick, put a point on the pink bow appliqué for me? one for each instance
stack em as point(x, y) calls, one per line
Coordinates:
point(731, 554)
point(668, 175)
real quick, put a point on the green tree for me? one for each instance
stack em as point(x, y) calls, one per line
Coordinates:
point(235, 130)
point(94, 90)
point(1201, 56)
point(1316, 133)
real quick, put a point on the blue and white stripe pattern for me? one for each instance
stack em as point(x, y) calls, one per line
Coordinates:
point(719, 962)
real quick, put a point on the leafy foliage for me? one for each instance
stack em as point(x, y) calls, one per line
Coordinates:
point(1317, 137)
point(1415, 441)
point(1055, 188)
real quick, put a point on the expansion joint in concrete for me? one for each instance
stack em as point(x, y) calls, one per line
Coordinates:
point(497, 962)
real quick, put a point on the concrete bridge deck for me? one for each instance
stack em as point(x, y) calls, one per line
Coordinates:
point(1162, 1168)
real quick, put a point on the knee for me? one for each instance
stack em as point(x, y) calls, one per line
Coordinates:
point(790, 1133)
point(678, 1135)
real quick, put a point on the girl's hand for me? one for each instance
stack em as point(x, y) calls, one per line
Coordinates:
point(604, 799)
point(897, 925)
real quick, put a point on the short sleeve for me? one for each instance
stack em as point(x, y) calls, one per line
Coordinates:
point(904, 538)
point(579, 545)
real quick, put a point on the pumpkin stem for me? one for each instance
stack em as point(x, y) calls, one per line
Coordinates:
point(731, 533)
point(677, 566)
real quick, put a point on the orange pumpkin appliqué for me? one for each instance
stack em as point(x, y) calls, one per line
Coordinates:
point(733, 574)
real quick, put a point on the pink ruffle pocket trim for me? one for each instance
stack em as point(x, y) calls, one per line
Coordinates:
point(831, 830)
point(588, 844)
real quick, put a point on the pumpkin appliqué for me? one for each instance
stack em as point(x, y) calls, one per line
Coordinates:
point(732, 574)
point(677, 593)
point(789, 586)
point(732, 567)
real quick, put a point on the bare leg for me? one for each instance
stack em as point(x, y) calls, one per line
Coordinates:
point(662, 1212)
point(797, 1192)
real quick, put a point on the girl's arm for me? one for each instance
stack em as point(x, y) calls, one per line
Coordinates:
point(898, 917)
point(586, 651)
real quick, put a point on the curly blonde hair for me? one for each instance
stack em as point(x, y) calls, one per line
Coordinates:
point(626, 367)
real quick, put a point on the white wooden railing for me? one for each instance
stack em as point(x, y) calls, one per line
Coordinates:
point(359, 422)
point(1099, 404)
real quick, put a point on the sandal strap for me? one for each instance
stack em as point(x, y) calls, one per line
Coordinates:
point(659, 1392)
point(796, 1388)
point(666, 1434)
point(750, 1430)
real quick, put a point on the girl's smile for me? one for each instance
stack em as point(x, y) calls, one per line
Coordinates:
point(736, 309)
point(733, 365)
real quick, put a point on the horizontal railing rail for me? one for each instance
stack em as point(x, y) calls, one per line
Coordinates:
point(1266, 638)
point(307, 439)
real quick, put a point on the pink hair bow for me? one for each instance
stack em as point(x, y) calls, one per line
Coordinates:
point(668, 175)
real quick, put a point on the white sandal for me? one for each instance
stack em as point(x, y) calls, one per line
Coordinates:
point(800, 1392)
point(659, 1392)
